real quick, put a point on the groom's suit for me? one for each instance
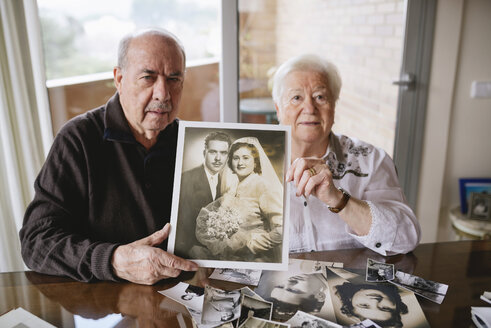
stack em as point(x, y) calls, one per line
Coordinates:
point(195, 194)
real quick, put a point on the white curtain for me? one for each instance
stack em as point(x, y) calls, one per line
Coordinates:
point(25, 126)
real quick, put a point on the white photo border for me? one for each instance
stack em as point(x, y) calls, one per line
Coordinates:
point(281, 266)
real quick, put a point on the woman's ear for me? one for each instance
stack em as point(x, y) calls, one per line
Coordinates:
point(277, 112)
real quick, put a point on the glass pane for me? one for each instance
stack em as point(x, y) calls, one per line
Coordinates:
point(363, 38)
point(80, 48)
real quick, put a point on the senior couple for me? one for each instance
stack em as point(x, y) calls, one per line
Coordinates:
point(103, 197)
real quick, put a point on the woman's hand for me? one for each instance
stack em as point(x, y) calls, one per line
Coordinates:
point(313, 177)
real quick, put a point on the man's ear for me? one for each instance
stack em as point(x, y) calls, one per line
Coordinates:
point(118, 75)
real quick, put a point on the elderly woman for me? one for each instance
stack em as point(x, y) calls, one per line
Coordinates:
point(345, 192)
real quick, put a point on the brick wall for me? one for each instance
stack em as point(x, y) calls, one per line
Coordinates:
point(362, 37)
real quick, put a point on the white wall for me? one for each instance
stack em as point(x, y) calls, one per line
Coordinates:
point(457, 140)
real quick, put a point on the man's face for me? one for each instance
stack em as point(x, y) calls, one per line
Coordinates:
point(150, 84)
point(216, 155)
point(298, 288)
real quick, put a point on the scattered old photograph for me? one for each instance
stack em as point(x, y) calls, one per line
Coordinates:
point(378, 271)
point(365, 324)
point(355, 300)
point(310, 266)
point(188, 295)
point(292, 291)
point(232, 209)
point(196, 315)
point(434, 291)
point(251, 307)
point(486, 297)
point(220, 306)
point(241, 276)
point(305, 320)
point(261, 323)
point(480, 206)
point(249, 292)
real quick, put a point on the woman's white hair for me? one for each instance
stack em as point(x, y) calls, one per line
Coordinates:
point(307, 62)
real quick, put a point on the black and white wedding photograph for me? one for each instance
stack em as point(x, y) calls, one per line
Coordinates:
point(232, 210)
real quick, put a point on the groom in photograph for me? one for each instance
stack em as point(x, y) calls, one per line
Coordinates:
point(199, 187)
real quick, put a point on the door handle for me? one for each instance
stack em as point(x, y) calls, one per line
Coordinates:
point(407, 81)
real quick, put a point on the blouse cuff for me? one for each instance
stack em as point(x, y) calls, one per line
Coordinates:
point(381, 235)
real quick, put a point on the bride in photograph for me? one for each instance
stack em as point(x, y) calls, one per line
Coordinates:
point(246, 223)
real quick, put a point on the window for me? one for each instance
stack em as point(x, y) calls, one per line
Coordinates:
point(80, 42)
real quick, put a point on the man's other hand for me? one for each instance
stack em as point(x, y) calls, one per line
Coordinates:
point(143, 263)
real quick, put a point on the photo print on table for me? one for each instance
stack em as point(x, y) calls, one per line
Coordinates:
point(311, 266)
point(232, 208)
point(378, 271)
point(241, 276)
point(249, 292)
point(262, 323)
point(292, 291)
point(303, 320)
point(355, 300)
point(251, 307)
point(188, 295)
point(367, 323)
point(432, 290)
point(220, 306)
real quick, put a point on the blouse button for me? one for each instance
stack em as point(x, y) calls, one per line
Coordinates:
point(305, 204)
point(378, 245)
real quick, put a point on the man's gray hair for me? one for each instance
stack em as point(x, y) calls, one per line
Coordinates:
point(307, 62)
point(124, 44)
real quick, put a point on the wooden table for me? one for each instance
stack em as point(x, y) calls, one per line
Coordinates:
point(464, 265)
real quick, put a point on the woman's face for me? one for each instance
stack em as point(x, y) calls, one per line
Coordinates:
point(243, 162)
point(306, 105)
point(373, 304)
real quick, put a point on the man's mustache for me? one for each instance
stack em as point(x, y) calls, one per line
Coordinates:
point(159, 106)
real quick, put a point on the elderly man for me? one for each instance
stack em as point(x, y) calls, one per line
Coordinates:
point(199, 187)
point(346, 193)
point(103, 197)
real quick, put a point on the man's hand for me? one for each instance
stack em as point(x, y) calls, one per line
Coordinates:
point(142, 263)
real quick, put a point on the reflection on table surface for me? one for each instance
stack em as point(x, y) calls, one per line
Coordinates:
point(465, 266)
